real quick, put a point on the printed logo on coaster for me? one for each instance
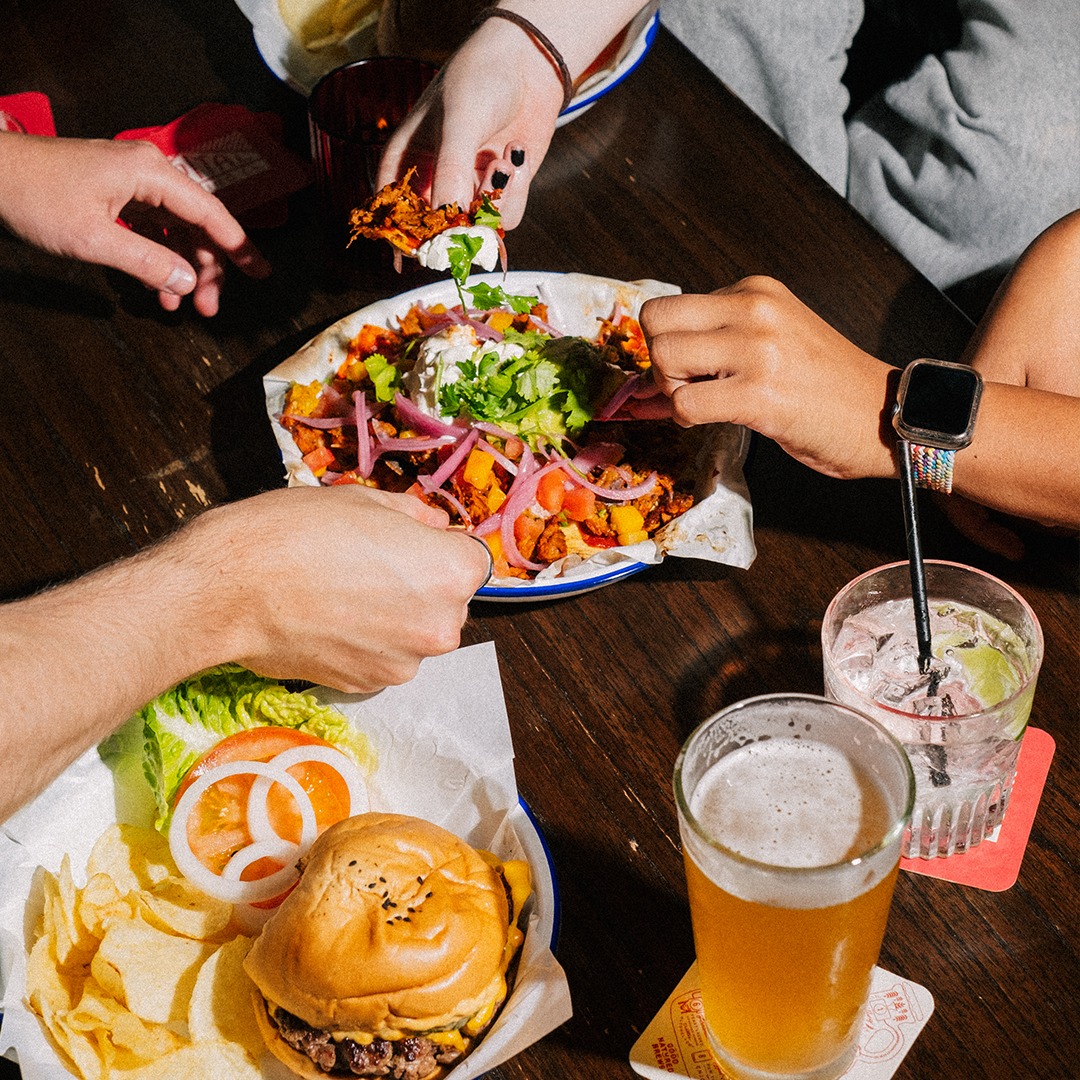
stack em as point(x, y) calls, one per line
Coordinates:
point(994, 864)
point(29, 113)
point(675, 1043)
point(237, 155)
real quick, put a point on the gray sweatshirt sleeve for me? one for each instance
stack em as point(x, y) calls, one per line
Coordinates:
point(961, 163)
point(966, 160)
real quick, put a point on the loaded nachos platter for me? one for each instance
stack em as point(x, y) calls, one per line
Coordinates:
point(512, 401)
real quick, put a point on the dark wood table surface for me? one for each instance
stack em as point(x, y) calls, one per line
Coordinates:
point(119, 421)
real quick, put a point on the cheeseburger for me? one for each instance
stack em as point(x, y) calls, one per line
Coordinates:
point(390, 956)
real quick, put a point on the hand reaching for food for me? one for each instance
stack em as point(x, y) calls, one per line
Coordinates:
point(70, 197)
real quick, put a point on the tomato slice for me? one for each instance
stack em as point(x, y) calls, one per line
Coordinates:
point(217, 827)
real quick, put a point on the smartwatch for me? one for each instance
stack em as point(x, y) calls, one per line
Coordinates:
point(935, 413)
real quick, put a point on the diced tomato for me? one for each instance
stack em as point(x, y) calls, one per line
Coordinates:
point(550, 491)
point(319, 459)
point(579, 503)
point(217, 827)
point(599, 541)
point(527, 530)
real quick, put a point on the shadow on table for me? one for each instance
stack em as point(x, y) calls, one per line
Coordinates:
point(610, 911)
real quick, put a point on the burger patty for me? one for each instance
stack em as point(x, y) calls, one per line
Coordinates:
point(411, 1058)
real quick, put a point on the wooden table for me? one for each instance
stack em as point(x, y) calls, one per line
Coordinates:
point(120, 421)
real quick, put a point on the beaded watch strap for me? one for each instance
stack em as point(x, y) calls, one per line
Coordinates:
point(932, 467)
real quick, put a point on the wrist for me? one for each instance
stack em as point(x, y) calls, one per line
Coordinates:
point(540, 44)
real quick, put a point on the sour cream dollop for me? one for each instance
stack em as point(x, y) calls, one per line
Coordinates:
point(437, 364)
point(435, 253)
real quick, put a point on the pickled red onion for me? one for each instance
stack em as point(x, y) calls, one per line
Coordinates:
point(449, 466)
point(365, 460)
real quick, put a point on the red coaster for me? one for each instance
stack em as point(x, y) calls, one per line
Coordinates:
point(994, 865)
point(236, 154)
point(29, 113)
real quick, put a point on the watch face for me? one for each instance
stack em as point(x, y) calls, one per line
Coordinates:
point(939, 398)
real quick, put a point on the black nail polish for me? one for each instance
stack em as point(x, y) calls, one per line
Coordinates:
point(499, 180)
point(517, 157)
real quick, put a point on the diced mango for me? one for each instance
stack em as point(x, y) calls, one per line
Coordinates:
point(633, 537)
point(478, 469)
point(495, 495)
point(500, 320)
point(626, 519)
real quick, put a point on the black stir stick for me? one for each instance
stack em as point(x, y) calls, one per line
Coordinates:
point(915, 561)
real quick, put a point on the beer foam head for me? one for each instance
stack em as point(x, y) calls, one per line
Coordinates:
point(785, 802)
point(790, 804)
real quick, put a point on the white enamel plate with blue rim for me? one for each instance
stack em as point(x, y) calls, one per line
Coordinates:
point(718, 527)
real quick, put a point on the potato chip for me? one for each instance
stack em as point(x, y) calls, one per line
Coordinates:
point(134, 857)
point(198, 1061)
point(151, 972)
point(138, 974)
point(220, 1007)
point(318, 23)
point(100, 904)
point(48, 989)
point(99, 1012)
point(73, 945)
point(176, 906)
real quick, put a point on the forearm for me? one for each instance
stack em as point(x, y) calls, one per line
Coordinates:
point(1025, 457)
point(81, 658)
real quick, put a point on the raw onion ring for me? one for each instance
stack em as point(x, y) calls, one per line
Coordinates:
point(216, 885)
point(258, 820)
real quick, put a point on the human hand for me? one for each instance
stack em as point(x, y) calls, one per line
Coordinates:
point(345, 586)
point(485, 122)
point(754, 354)
point(65, 196)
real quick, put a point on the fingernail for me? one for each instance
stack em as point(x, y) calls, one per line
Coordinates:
point(499, 180)
point(180, 283)
point(517, 157)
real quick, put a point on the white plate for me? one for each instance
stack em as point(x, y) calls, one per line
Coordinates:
point(718, 527)
point(301, 68)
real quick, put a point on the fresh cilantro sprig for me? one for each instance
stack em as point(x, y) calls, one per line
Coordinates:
point(462, 254)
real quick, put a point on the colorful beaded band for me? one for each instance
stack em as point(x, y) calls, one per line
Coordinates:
point(541, 39)
point(932, 467)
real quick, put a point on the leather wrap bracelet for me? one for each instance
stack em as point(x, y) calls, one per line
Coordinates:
point(541, 39)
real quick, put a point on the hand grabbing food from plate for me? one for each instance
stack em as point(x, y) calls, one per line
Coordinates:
point(350, 591)
point(438, 237)
point(351, 588)
point(493, 109)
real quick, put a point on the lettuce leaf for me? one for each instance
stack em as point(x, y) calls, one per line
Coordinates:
point(167, 736)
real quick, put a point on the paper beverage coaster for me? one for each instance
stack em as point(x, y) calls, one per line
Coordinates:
point(994, 864)
point(675, 1043)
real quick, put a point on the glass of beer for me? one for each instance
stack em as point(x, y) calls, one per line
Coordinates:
point(791, 812)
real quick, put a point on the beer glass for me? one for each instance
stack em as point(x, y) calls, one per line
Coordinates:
point(791, 812)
